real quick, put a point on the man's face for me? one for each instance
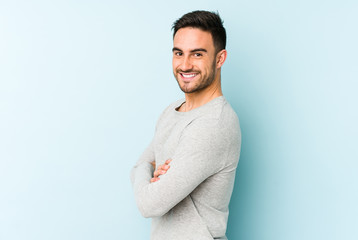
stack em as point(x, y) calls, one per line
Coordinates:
point(194, 59)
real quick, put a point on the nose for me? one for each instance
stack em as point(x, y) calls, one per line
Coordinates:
point(186, 64)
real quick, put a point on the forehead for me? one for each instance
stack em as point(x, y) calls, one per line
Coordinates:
point(191, 38)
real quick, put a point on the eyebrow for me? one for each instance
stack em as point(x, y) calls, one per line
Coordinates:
point(194, 50)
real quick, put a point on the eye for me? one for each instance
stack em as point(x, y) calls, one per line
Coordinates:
point(178, 54)
point(198, 54)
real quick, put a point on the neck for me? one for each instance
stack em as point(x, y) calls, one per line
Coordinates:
point(197, 99)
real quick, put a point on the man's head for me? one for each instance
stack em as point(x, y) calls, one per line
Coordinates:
point(199, 51)
point(206, 21)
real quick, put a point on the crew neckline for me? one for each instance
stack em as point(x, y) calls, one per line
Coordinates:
point(208, 104)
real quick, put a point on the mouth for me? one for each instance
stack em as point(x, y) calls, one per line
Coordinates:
point(188, 76)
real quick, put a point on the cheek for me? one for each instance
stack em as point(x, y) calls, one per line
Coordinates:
point(175, 64)
point(203, 64)
point(202, 67)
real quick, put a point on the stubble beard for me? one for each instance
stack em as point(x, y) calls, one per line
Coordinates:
point(201, 85)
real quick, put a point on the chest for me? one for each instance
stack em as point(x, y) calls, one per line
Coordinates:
point(167, 138)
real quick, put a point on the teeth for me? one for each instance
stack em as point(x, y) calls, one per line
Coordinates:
point(188, 75)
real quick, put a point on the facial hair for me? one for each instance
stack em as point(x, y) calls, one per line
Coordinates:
point(204, 83)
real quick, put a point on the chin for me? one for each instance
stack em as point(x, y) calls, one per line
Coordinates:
point(189, 90)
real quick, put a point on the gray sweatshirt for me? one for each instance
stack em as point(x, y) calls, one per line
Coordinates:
point(190, 201)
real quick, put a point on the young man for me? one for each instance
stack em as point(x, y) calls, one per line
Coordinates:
point(184, 179)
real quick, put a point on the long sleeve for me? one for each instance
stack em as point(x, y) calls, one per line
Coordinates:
point(142, 171)
point(201, 152)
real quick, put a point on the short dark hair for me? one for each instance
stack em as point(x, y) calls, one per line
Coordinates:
point(206, 21)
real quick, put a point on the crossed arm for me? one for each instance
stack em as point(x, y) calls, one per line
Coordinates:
point(199, 154)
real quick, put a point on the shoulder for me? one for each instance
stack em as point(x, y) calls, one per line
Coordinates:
point(218, 121)
point(220, 117)
point(228, 118)
point(169, 110)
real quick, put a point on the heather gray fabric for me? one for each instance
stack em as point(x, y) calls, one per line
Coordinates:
point(191, 200)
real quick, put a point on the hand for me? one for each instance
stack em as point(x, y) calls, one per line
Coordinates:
point(162, 169)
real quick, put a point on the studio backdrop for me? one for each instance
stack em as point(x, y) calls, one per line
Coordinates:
point(82, 84)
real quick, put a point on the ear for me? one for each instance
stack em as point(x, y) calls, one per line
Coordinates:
point(220, 58)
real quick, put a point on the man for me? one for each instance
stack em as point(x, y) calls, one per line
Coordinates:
point(184, 179)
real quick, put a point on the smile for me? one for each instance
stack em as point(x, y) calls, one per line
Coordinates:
point(188, 75)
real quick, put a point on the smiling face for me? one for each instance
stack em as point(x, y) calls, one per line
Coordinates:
point(194, 60)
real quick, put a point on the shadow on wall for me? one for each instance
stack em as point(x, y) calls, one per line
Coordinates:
point(246, 88)
point(257, 83)
point(242, 203)
point(241, 200)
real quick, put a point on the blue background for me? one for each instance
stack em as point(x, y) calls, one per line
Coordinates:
point(82, 84)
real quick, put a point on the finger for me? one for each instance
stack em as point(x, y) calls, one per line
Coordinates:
point(168, 161)
point(156, 173)
point(154, 179)
point(159, 172)
point(165, 167)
